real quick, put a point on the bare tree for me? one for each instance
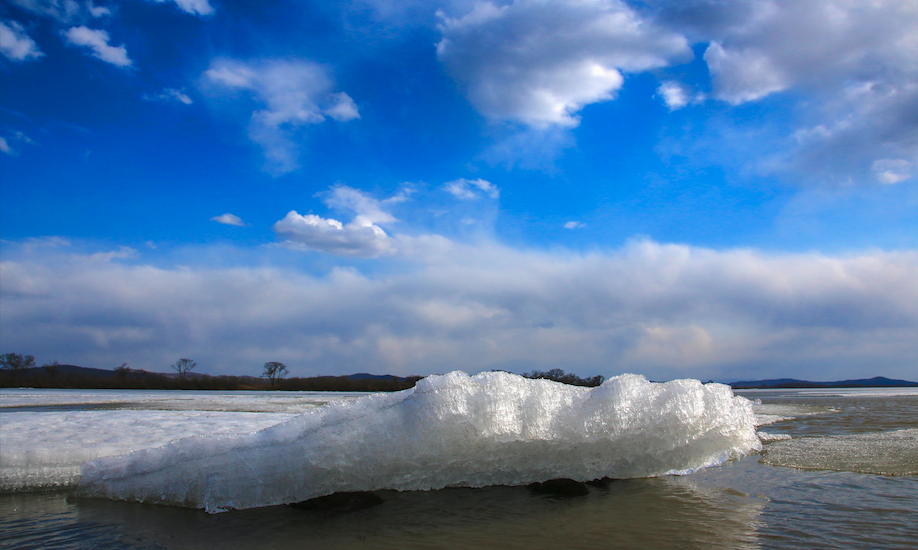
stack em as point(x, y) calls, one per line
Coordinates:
point(122, 371)
point(184, 366)
point(15, 361)
point(274, 370)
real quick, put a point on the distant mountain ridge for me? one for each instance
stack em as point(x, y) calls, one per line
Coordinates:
point(875, 382)
point(65, 370)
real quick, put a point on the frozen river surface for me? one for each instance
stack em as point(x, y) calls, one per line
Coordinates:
point(837, 470)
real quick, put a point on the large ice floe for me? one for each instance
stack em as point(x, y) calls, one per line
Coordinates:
point(452, 430)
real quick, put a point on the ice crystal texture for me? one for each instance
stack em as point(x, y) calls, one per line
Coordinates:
point(452, 430)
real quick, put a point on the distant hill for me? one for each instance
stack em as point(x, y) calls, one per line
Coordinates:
point(73, 376)
point(74, 370)
point(367, 376)
point(875, 382)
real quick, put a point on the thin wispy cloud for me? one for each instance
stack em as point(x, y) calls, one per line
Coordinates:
point(472, 189)
point(170, 94)
point(97, 42)
point(294, 94)
point(194, 7)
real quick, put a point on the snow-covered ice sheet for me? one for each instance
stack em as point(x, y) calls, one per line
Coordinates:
point(172, 400)
point(451, 430)
point(46, 435)
point(893, 453)
point(45, 450)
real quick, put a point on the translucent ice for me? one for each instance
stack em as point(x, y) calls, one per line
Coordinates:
point(451, 430)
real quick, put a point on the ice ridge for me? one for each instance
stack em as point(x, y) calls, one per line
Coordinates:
point(452, 430)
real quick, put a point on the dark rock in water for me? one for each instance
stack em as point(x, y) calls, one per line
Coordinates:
point(341, 502)
point(601, 483)
point(560, 488)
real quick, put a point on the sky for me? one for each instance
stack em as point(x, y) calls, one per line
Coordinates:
point(675, 188)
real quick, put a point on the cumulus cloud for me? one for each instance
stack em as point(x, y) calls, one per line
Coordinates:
point(170, 94)
point(677, 96)
point(472, 189)
point(851, 65)
point(359, 238)
point(664, 310)
point(540, 62)
point(574, 225)
point(294, 94)
point(228, 219)
point(97, 42)
point(16, 44)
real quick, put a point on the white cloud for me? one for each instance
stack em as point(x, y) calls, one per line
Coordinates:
point(744, 75)
point(367, 208)
point(574, 225)
point(676, 96)
point(195, 7)
point(171, 94)
point(98, 11)
point(5, 147)
point(667, 311)
point(228, 219)
point(359, 238)
point(850, 68)
point(540, 63)
point(294, 94)
point(892, 171)
point(16, 44)
point(472, 189)
point(97, 41)
point(342, 108)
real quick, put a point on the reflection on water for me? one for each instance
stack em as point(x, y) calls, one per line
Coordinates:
point(742, 504)
point(649, 513)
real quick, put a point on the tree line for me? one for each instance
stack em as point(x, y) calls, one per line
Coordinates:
point(20, 370)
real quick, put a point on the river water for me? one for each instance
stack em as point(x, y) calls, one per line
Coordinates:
point(839, 470)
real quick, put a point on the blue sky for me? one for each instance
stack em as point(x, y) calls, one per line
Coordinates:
point(693, 188)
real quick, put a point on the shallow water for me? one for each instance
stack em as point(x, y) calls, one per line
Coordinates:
point(741, 504)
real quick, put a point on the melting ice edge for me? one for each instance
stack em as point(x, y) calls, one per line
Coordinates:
point(452, 430)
